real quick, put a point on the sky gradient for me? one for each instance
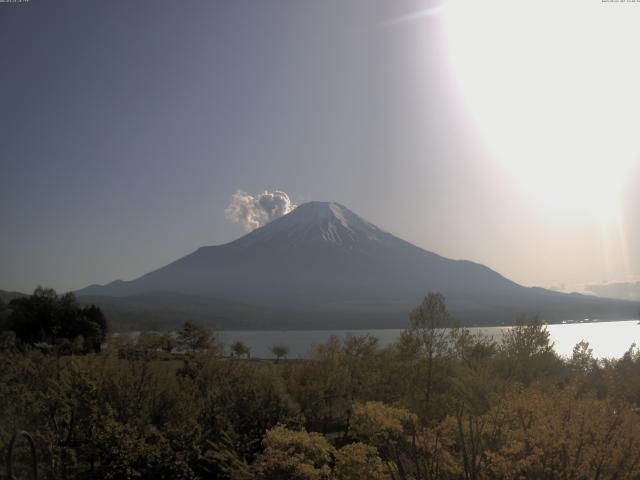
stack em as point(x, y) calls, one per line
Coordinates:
point(126, 127)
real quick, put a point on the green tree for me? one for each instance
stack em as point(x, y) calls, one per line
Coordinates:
point(528, 338)
point(527, 351)
point(240, 349)
point(322, 387)
point(92, 326)
point(430, 335)
point(582, 358)
point(193, 337)
point(45, 317)
point(168, 342)
point(128, 453)
point(280, 351)
point(429, 322)
point(4, 317)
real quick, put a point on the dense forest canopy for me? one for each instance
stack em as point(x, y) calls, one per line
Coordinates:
point(437, 404)
point(57, 321)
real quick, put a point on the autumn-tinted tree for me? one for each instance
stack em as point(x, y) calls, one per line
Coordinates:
point(352, 410)
point(391, 430)
point(359, 461)
point(294, 455)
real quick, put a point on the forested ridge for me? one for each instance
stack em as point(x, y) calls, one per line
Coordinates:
point(440, 403)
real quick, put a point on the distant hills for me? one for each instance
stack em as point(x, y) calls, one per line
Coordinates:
point(6, 296)
point(322, 266)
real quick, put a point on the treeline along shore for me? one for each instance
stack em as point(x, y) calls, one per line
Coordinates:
point(439, 403)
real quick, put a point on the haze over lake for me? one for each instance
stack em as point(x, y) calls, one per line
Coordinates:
point(607, 339)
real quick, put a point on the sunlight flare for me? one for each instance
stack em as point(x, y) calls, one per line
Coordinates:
point(553, 92)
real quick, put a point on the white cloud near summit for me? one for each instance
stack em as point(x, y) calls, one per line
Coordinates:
point(253, 212)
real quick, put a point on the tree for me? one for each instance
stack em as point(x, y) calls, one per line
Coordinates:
point(92, 326)
point(382, 425)
point(555, 434)
point(322, 386)
point(391, 430)
point(359, 461)
point(529, 337)
point(131, 453)
point(45, 317)
point(167, 342)
point(193, 337)
point(431, 334)
point(36, 318)
point(239, 348)
point(527, 350)
point(4, 316)
point(582, 359)
point(297, 455)
point(428, 322)
point(149, 341)
point(280, 351)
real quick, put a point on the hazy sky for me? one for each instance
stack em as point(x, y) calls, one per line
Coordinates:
point(504, 132)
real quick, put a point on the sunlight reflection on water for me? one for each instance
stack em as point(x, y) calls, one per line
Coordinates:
point(607, 339)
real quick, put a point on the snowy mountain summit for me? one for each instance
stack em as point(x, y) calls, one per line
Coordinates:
point(314, 221)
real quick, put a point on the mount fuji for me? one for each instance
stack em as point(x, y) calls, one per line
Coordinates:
point(323, 266)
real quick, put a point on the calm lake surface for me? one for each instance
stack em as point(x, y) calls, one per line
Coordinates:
point(607, 339)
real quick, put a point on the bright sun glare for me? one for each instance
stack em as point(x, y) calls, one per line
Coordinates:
point(554, 89)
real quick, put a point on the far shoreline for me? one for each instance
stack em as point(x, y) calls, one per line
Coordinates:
point(364, 329)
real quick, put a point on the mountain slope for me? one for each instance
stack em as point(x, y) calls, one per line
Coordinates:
point(6, 296)
point(322, 265)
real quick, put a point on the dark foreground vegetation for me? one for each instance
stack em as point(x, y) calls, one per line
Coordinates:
point(438, 404)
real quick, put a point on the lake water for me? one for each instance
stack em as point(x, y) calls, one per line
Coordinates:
point(607, 339)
